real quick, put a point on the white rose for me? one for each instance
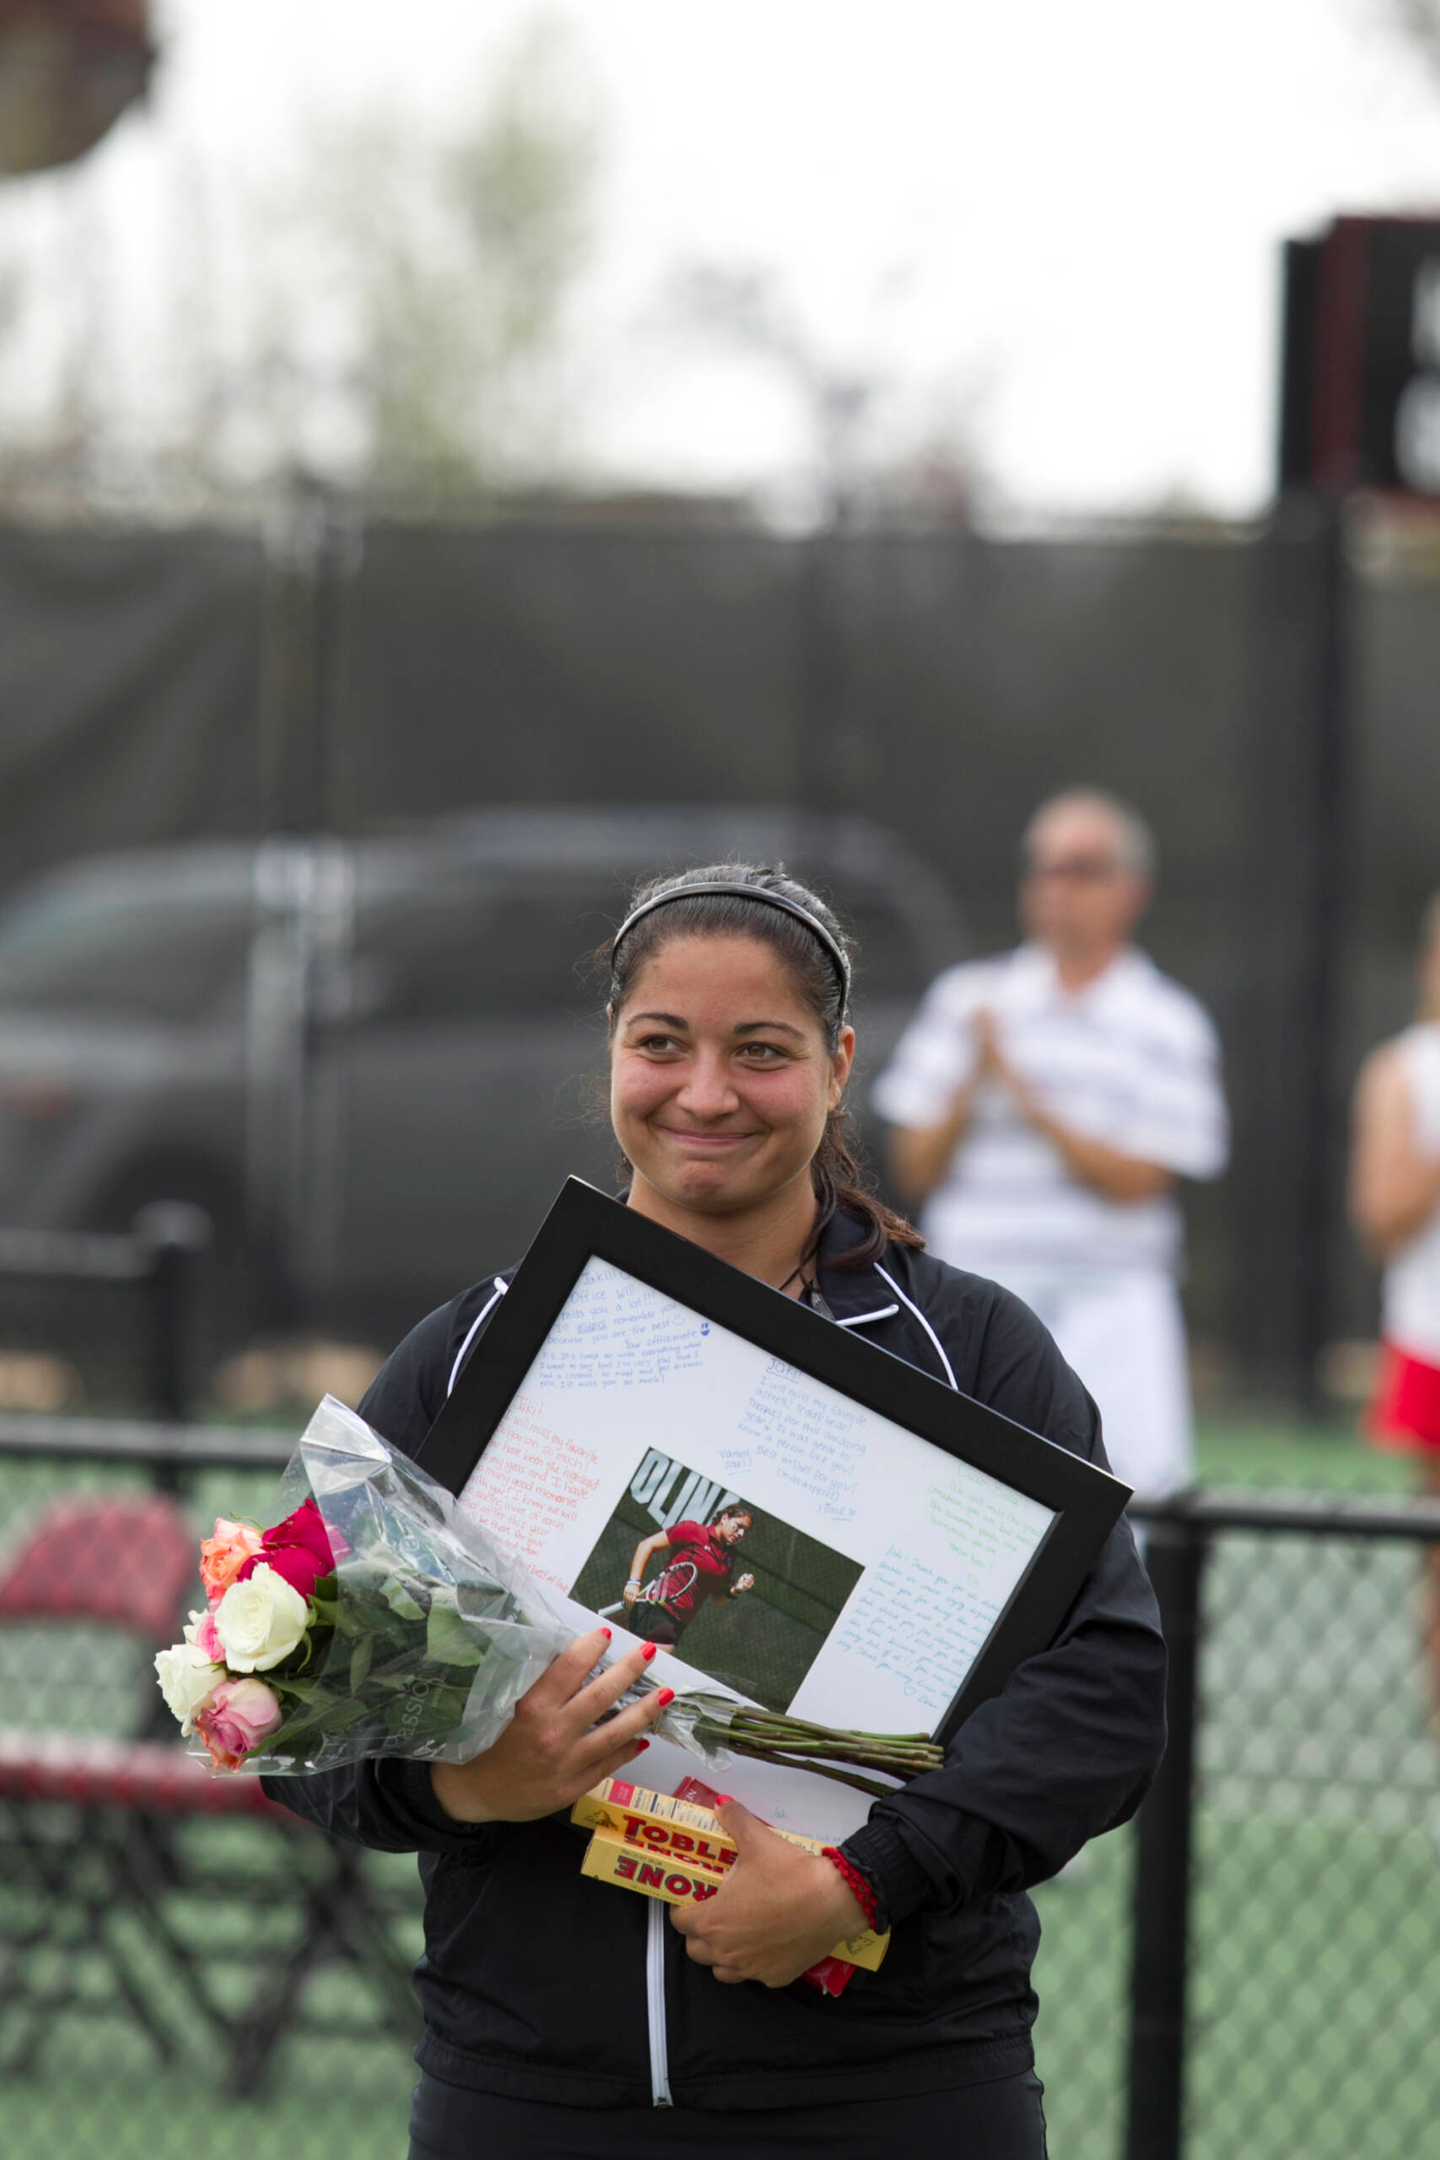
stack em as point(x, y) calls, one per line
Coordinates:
point(259, 1621)
point(187, 1681)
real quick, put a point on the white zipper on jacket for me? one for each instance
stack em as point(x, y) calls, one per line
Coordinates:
point(655, 1934)
point(475, 1326)
point(939, 1346)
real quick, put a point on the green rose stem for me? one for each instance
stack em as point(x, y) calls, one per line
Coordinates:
point(825, 1770)
point(769, 1736)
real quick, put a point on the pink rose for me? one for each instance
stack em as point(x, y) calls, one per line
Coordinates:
point(240, 1714)
point(202, 1633)
point(299, 1550)
point(226, 1556)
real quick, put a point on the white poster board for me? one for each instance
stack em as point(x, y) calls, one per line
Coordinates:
point(880, 1563)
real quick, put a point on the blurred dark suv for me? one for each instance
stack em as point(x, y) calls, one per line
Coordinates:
point(370, 1061)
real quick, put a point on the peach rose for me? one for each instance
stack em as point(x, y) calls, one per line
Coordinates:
point(224, 1555)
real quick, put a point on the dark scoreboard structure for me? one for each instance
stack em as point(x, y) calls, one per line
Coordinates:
point(1360, 391)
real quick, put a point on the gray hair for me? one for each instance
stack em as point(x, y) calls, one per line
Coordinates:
point(1134, 837)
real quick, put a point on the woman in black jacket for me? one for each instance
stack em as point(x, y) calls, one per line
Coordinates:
point(562, 2020)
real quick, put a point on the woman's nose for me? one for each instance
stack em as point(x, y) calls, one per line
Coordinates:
point(709, 1090)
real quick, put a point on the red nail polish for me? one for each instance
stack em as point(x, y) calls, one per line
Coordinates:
point(666, 1695)
point(640, 1746)
point(724, 1799)
point(606, 1633)
point(649, 1651)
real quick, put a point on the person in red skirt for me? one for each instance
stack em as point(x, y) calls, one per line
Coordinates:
point(1395, 1205)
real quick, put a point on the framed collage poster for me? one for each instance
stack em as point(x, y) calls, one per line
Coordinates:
point(791, 1514)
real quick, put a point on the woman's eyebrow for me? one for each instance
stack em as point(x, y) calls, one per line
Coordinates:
point(744, 1027)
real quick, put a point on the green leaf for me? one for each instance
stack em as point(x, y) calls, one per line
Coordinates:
point(448, 1641)
point(360, 1663)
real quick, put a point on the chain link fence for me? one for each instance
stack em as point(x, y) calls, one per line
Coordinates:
point(1315, 1940)
point(1249, 1971)
point(172, 1979)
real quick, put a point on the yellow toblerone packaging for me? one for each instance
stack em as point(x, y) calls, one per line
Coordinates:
point(611, 1804)
point(677, 1850)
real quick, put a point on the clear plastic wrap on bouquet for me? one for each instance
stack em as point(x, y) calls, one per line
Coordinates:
point(425, 1636)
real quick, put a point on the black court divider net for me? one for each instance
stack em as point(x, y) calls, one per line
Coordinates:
point(128, 2024)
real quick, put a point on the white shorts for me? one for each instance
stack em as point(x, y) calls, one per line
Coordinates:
point(1123, 1333)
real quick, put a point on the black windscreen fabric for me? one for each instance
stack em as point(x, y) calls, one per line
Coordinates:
point(129, 691)
point(939, 682)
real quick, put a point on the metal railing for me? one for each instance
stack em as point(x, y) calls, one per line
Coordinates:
point(158, 1261)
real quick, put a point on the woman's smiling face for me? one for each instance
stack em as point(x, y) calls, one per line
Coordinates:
point(720, 1075)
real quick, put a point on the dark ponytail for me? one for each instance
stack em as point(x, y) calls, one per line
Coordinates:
point(842, 1185)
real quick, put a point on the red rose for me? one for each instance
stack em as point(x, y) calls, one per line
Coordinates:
point(299, 1549)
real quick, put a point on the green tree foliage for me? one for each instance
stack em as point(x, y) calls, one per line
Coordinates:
point(459, 260)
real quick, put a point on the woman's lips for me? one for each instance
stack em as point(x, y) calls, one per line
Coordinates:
point(706, 1140)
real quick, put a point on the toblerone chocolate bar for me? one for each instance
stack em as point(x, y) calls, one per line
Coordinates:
point(682, 1880)
point(675, 1850)
point(609, 1805)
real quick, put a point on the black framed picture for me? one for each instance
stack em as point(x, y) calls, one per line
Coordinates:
point(789, 1513)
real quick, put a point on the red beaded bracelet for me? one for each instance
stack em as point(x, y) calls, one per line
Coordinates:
point(855, 1882)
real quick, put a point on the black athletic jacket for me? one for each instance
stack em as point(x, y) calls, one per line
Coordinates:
point(540, 1984)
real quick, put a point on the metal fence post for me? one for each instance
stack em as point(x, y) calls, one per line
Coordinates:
point(176, 1233)
point(1175, 1556)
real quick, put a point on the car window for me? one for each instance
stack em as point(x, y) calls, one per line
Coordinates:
point(890, 962)
point(464, 946)
point(461, 949)
point(166, 959)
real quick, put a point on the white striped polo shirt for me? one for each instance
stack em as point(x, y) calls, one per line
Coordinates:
point(1131, 1059)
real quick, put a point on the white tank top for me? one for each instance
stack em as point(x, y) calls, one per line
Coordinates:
point(1410, 1298)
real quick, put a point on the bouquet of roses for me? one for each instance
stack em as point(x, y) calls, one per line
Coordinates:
point(377, 1619)
point(373, 1619)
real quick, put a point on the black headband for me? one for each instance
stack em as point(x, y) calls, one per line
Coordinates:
point(734, 890)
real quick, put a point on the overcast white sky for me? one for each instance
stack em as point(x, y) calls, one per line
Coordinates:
point(1054, 227)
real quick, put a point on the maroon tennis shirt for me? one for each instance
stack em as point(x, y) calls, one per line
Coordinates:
point(697, 1567)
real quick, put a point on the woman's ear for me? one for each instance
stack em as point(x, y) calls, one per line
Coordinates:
point(841, 1063)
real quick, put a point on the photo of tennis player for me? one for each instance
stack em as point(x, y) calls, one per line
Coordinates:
point(691, 1565)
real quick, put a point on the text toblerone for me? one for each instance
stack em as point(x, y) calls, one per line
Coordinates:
point(678, 1851)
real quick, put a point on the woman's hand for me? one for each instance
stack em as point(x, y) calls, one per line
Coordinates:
point(553, 1749)
point(778, 1910)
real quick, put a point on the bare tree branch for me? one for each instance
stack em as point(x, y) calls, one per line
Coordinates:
point(1418, 22)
